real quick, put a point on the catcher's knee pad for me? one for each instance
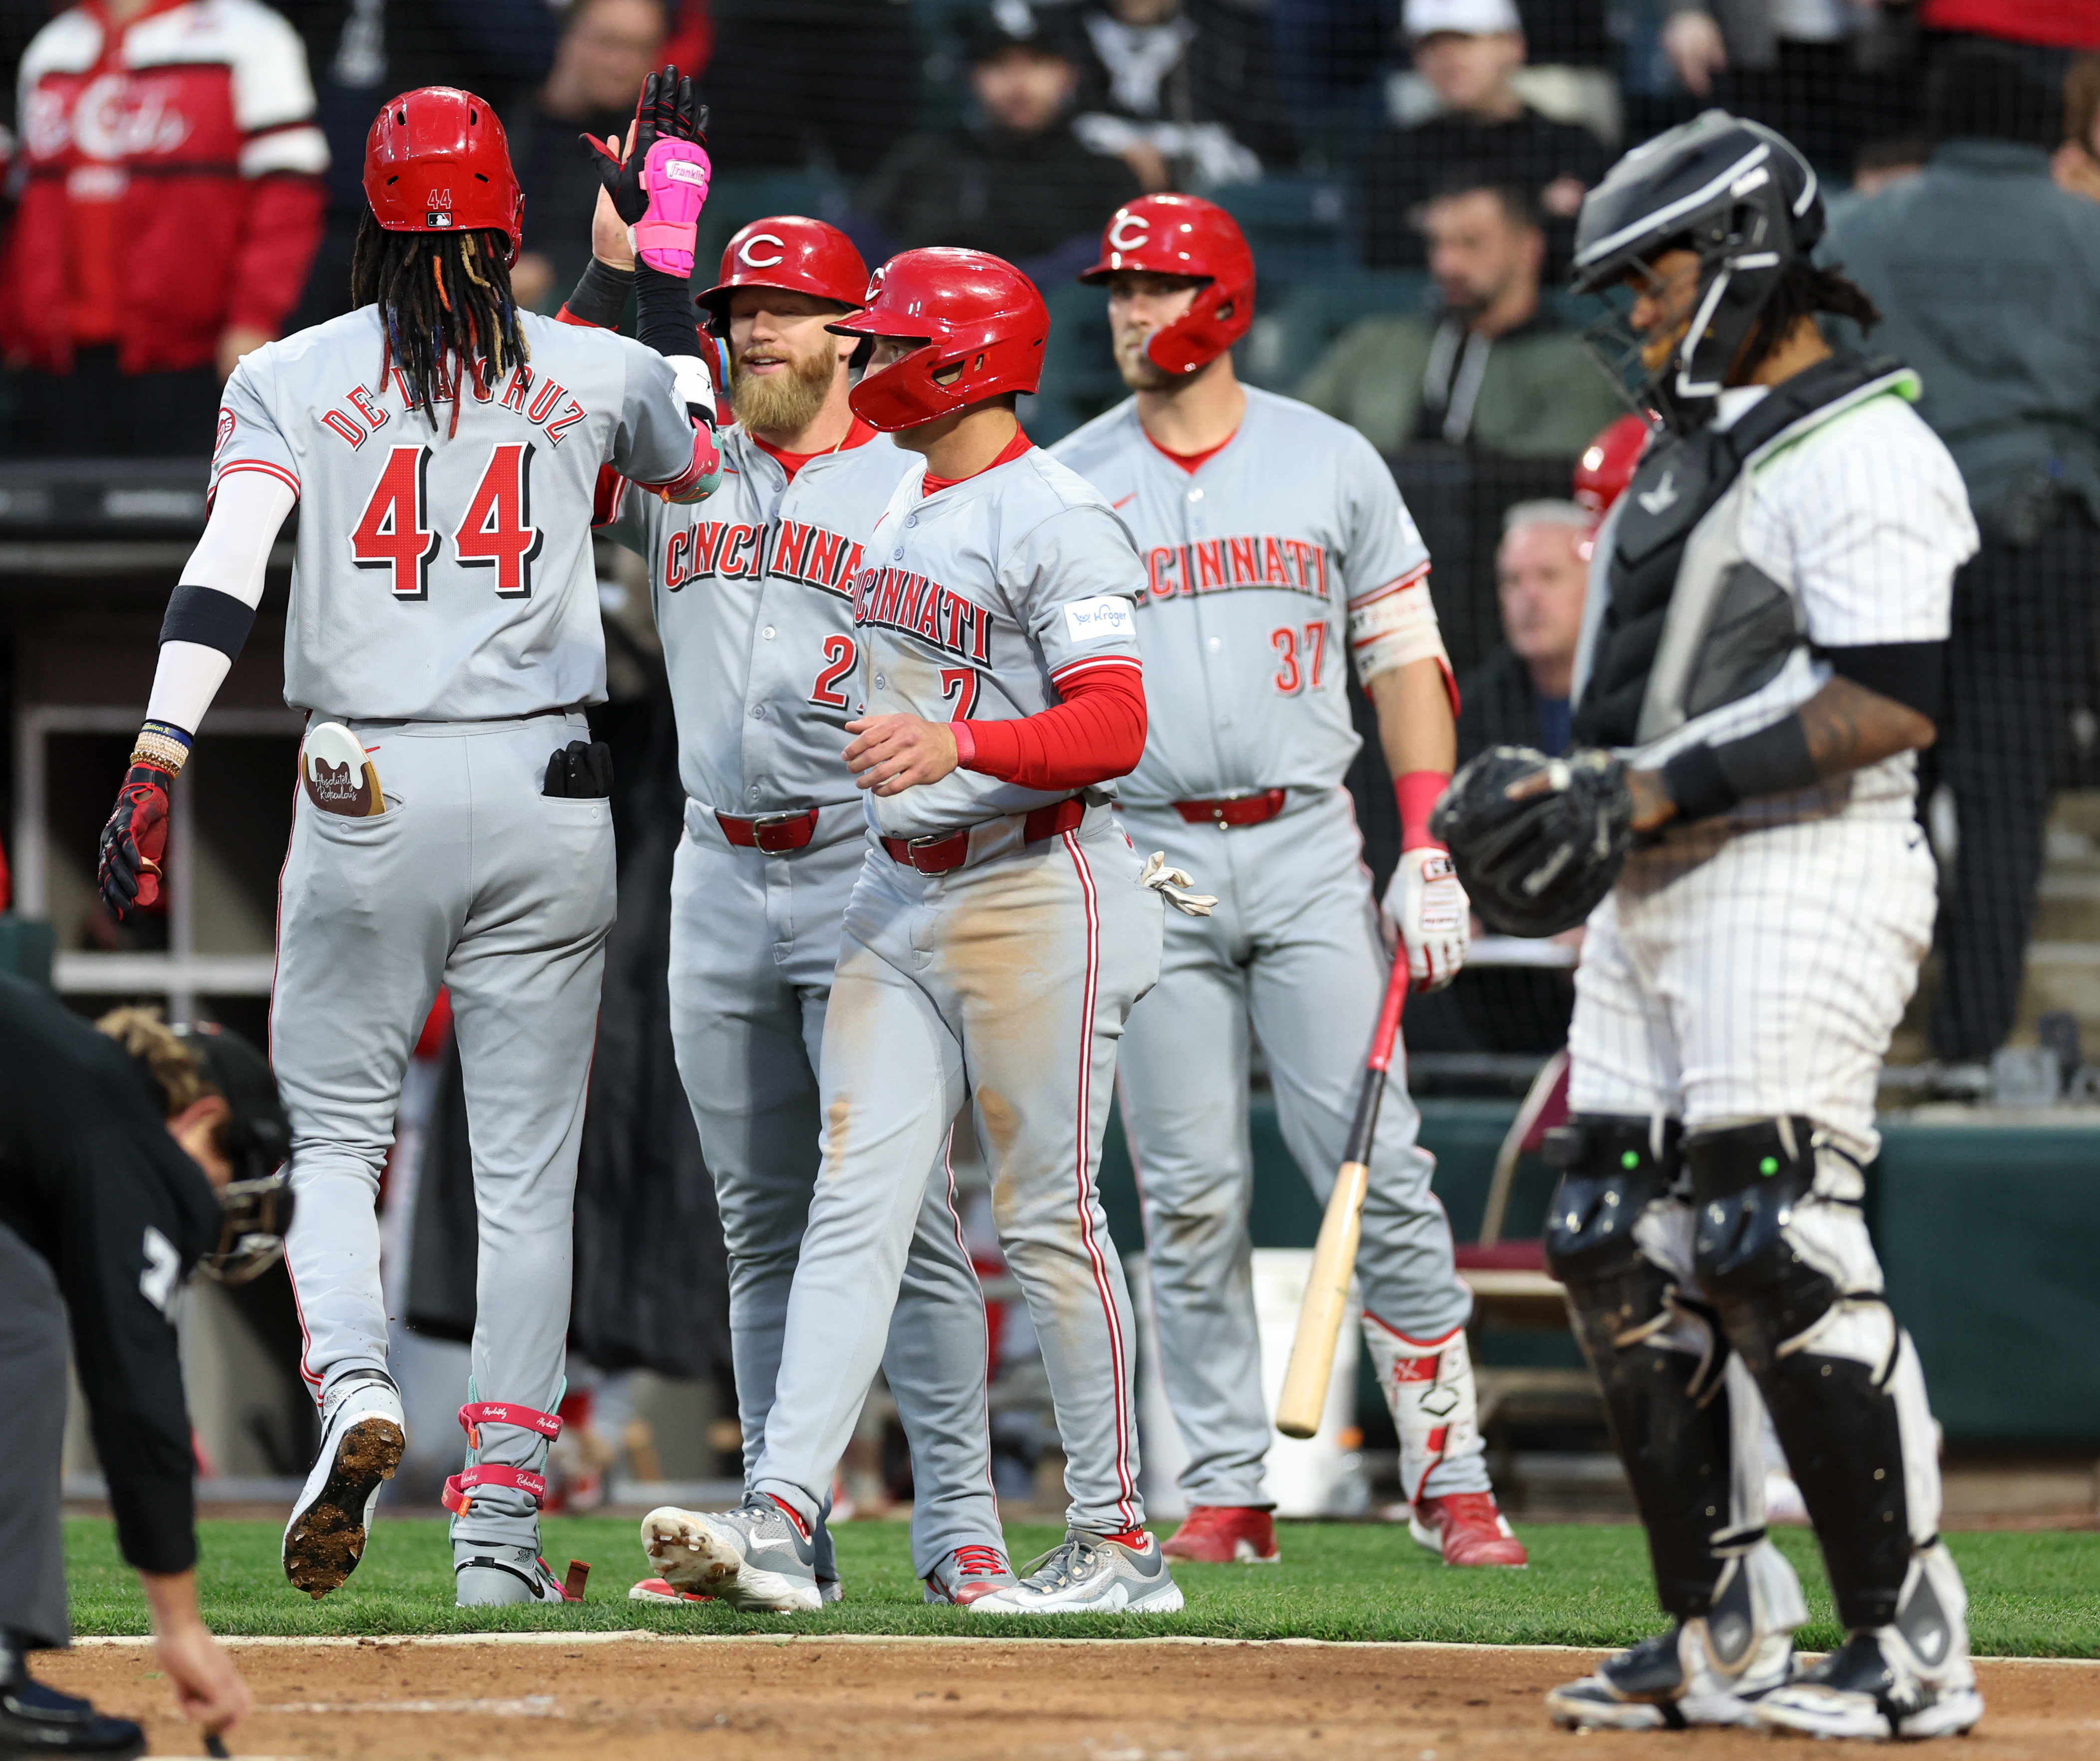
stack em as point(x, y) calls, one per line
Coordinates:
point(1782, 1253)
point(1620, 1242)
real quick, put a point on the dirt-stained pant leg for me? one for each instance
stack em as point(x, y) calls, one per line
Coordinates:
point(1293, 950)
point(368, 910)
point(1020, 969)
point(754, 944)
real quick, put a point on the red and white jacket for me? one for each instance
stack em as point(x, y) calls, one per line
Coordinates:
point(167, 184)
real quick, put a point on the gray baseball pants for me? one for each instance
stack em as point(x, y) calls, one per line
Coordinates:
point(1008, 981)
point(754, 943)
point(1293, 956)
point(475, 880)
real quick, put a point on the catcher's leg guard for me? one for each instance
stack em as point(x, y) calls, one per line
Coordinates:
point(1781, 1251)
point(1616, 1238)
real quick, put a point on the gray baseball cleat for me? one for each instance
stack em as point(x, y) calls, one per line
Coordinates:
point(1090, 1575)
point(967, 1574)
point(1669, 1683)
point(486, 1574)
point(363, 1439)
point(757, 1557)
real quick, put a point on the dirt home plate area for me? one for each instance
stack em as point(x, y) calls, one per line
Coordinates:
point(638, 1696)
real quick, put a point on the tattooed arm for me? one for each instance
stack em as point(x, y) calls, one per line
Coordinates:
point(1844, 727)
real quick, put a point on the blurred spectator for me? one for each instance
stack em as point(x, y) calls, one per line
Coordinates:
point(1816, 70)
point(1984, 271)
point(1014, 179)
point(170, 201)
point(1467, 50)
point(1181, 90)
point(810, 85)
point(364, 51)
point(1519, 695)
point(1495, 369)
point(2077, 161)
point(2030, 23)
point(607, 49)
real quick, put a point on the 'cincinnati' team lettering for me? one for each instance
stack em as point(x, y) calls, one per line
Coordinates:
point(725, 549)
point(1233, 565)
point(894, 598)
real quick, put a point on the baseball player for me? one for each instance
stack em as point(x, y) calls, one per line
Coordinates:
point(444, 632)
point(752, 591)
point(1764, 653)
point(998, 933)
point(1277, 553)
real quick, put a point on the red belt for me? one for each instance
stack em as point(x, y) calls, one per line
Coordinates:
point(776, 834)
point(951, 849)
point(1233, 809)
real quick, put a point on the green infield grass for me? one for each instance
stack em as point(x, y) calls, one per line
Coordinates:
point(2031, 1594)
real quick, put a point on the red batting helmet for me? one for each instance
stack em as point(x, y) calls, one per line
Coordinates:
point(982, 323)
point(1184, 236)
point(436, 161)
point(1606, 464)
point(789, 251)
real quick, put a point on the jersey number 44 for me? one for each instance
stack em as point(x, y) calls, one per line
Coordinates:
point(397, 532)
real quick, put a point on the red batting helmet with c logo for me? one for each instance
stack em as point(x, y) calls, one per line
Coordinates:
point(436, 160)
point(1184, 236)
point(789, 251)
point(1608, 463)
point(980, 324)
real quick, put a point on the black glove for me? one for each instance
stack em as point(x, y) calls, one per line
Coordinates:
point(1539, 864)
point(666, 108)
point(134, 840)
point(582, 770)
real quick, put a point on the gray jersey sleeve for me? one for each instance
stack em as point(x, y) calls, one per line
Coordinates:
point(249, 436)
point(1075, 581)
point(652, 442)
point(1382, 549)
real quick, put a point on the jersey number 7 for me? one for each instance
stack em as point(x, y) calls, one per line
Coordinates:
point(395, 532)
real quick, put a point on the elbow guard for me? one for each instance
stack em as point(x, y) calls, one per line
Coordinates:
point(1913, 674)
point(1395, 628)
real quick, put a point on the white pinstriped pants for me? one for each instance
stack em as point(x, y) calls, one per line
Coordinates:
point(1740, 974)
point(1011, 977)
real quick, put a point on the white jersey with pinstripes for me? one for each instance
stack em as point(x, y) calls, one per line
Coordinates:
point(1253, 563)
point(975, 603)
point(443, 573)
point(1864, 519)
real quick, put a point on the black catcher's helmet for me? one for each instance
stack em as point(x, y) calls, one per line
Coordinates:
point(1736, 193)
point(256, 1207)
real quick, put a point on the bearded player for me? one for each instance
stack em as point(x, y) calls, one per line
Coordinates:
point(1277, 554)
point(1771, 603)
point(443, 634)
point(751, 595)
point(997, 937)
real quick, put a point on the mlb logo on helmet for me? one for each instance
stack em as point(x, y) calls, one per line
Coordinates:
point(439, 208)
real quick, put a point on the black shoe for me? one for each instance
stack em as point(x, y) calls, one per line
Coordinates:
point(37, 1721)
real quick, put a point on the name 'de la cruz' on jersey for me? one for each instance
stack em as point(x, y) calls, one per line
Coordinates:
point(445, 573)
point(753, 590)
point(1265, 549)
point(976, 602)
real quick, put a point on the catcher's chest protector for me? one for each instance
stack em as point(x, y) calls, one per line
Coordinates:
point(1690, 624)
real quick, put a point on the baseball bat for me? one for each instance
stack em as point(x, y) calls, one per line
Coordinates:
point(1326, 1299)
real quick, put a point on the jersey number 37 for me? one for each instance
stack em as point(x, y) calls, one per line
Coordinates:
point(395, 531)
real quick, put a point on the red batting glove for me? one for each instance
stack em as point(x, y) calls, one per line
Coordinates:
point(134, 840)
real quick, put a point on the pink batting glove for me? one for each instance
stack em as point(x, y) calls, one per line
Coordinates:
point(675, 176)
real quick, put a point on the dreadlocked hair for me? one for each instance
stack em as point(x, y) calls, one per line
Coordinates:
point(445, 306)
point(1803, 291)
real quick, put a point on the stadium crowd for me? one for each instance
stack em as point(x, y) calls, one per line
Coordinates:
point(182, 185)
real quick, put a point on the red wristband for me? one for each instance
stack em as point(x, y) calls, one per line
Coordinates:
point(1417, 792)
point(966, 744)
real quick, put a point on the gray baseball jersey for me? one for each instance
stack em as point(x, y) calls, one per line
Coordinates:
point(1251, 567)
point(1253, 562)
point(973, 603)
point(443, 574)
point(752, 593)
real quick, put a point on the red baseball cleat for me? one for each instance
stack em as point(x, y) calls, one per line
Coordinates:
point(1225, 1534)
point(659, 1590)
point(1467, 1529)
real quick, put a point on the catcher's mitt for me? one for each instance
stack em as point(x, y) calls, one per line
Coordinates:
point(1539, 865)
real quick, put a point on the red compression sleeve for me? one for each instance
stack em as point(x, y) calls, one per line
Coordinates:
point(1097, 733)
point(1417, 792)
